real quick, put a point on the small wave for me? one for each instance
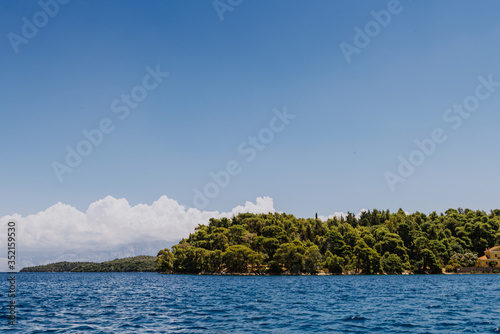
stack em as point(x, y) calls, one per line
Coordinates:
point(433, 306)
point(406, 325)
point(355, 318)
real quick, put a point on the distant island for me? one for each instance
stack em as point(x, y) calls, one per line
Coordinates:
point(142, 263)
point(375, 242)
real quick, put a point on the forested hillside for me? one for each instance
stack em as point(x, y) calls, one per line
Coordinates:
point(375, 242)
point(141, 263)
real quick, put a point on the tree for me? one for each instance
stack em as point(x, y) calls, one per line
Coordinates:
point(464, 259)
point(218, 241)
point(291, 256)
point(189, 259)
point(164, 261)
point(270, 245)
point(366, 259)
point(274, 231)
point(312, 259)
point(335, 244)
point(239, 257)
point(215, 261)
point(235, 234)
point(391, 263)
point(334, 263)
point(390, 243)
point(429, 262)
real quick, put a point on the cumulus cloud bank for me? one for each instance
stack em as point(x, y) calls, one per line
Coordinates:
point(112, 221)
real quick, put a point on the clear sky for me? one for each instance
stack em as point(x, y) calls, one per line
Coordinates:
point(354, 115)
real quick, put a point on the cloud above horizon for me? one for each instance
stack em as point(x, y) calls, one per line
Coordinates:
point(114, 221)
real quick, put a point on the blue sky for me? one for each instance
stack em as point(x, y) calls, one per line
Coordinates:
point(225, 78)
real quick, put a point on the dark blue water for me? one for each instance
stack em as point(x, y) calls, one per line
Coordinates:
point(153, 303)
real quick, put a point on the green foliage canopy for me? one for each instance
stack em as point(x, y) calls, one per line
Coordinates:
point(374, 242)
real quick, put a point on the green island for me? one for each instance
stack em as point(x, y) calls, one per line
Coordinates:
point(376, 242)
point(140, 263)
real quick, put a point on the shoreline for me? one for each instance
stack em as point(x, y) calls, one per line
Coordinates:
point(251, 274)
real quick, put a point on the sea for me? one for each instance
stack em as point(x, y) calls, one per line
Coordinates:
point(154, 303)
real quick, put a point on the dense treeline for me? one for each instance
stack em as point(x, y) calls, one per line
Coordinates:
point(374, 242)
point(140, 263)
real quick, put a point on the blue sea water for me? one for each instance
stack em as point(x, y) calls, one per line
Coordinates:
point(153, 303)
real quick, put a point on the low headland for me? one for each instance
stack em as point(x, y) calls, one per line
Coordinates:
point(142, 263)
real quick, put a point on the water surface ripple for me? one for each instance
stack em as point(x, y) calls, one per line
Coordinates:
point(153, 303)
